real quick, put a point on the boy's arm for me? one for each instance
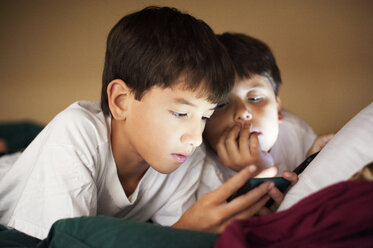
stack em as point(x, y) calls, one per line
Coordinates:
point(237, 154)
point(212, 213)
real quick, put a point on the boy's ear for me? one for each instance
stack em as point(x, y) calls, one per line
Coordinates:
point(119, 98)
point(279, 109)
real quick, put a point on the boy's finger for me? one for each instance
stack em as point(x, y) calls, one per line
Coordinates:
point(264, 211)
point(224, 136)
point(254, 143)
point(231, 143)
point(290, 176)
point(221, 148)
point(277, 196)
point(254, 209)
point(248, 200)
point(233, 132)
point(234, 183)
point(249, 212)
point(244, 139)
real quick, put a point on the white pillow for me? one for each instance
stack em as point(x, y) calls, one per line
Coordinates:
point(349, 150)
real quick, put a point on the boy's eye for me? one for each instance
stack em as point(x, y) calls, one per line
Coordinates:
point(255, 99)
point(205, 118)
point(221, 105)
point(179, 115)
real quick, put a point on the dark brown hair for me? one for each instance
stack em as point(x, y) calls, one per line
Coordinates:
point(251, 56)
point(157, 45)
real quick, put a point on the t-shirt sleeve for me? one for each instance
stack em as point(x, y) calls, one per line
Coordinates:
point(56, 175)
point(59, 186)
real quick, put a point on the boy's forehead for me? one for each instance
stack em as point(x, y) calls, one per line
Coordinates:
point(193, 102)
point(181, 87)
point(255, 81)
point(192, 98)
point(179, 94)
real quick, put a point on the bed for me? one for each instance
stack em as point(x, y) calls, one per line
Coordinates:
point(346, 154)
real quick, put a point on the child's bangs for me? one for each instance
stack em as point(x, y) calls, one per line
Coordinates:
point(212, 86)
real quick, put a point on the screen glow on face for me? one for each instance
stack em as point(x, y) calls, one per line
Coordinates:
point(166, 126)
point(252, 98)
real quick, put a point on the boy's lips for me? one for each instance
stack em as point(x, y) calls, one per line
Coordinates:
point(252, 132)
point(180, 157)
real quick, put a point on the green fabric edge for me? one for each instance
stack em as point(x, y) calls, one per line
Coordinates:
point(109, 232)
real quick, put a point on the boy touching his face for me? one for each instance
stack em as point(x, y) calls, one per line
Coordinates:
point(249, 126)
point(127, 156)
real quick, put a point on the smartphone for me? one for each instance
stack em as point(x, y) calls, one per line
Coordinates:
point(281, 183)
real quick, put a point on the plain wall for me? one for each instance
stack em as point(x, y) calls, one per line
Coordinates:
point(52, 52)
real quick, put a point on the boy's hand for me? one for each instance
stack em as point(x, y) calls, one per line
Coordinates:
point(319, 143)
point(237, 148)
point(277, 195)
point(212, 213)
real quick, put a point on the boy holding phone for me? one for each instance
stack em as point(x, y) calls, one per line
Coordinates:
point(244, 128)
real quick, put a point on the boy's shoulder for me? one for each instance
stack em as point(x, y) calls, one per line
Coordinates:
point(81, 110)
point(293, 121)
point(82, 119)
point(294, 139)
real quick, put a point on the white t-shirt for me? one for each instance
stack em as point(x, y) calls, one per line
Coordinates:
point(69, 171)
point(294, 140)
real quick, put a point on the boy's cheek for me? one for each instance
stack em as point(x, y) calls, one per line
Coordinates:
point(212, 126)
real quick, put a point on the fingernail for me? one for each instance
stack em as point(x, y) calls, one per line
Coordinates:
point(252, 168)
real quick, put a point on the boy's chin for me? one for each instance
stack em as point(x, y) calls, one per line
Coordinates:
point(265, 144)
point(166, 167)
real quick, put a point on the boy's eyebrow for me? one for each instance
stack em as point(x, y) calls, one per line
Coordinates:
point(186, 102)
point(257, 85)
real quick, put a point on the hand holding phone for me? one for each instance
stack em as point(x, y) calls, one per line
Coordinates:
point(281, 183)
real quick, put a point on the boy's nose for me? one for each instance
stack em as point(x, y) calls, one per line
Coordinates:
point(193, 137)
point(243, 116)
point(242, 113)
